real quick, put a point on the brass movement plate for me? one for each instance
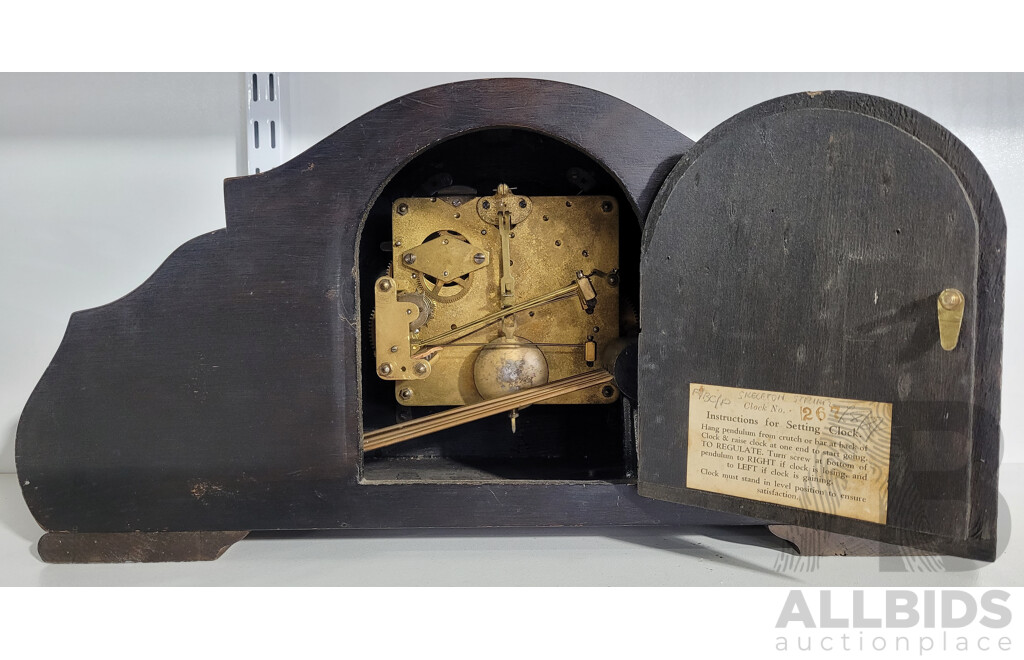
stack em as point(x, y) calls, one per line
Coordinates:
point(391, 329)
point(557, 237)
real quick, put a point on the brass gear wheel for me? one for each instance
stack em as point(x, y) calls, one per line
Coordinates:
point(446, 293)
point(452, 291)
point(422, 303)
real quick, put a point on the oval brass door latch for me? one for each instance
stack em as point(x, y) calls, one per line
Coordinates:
point(951, 316)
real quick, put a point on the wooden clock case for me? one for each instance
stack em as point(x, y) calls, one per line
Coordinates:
point(230, 391)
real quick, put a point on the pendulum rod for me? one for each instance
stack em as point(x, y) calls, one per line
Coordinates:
point(461, 415)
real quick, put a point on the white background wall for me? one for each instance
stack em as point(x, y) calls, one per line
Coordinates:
point(102, 176)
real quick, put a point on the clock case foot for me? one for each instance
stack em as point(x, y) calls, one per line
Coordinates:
point(134, 547)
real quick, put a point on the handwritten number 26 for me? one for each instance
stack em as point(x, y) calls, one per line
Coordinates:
point(806, 413)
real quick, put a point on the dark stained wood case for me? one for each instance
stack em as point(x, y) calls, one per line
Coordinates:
point(231, 389)
point(803, 245)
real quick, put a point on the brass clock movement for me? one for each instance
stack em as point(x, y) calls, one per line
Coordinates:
point(493, 294)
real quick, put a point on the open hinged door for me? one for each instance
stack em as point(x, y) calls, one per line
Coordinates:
point(821, 311)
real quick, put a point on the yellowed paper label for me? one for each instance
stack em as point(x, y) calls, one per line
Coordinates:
point(811, 452)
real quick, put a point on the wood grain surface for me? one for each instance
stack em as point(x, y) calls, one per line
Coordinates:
point(800, 247)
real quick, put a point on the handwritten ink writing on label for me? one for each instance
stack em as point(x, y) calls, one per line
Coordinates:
point(810, 452)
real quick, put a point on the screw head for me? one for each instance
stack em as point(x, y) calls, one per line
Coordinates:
point(403, 208)
point(405, 393)
point(479, 258)
point(607, 391)
point(483, 232)
point(420, 368)
point(445, 274)
point(486, 205)
point(606, 207)
point(951, 298)
point(384, 285)
point(394, 349)
point(522, 203)
point(398, 243)
point(385, 368)
point(409, 258)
